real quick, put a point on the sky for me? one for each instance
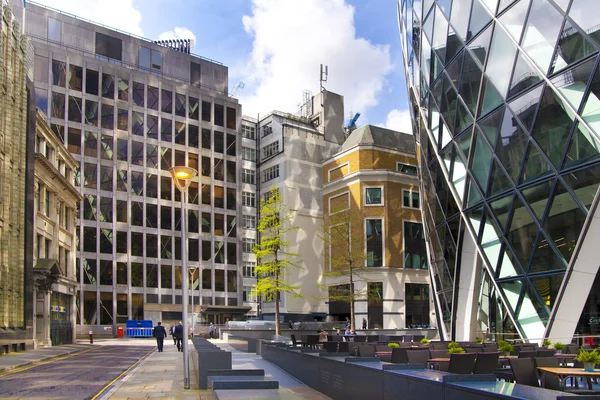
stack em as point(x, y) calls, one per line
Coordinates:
point(275, 47)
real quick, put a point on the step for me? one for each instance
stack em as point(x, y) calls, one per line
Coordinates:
point(235, 372)
point(240, 382)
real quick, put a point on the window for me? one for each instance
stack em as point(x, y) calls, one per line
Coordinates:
point(248, 199)
point(248, 132)
point(406, 168)
point(270, 173)
point(267, 130)
point(374, 196)
point(270, 150)
point(248, 244)
point(107, 47)
point(249, 176)
point(410, 199)
point(195, 76)
point(248, 154)
point(249, 222)
point(374, 238)
point(54, 30)
point(248, 269)
point(414, 246)
point(248, 295)
point(417, 304)
point(149, 60)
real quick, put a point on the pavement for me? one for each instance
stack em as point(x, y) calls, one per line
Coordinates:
point(160, 375)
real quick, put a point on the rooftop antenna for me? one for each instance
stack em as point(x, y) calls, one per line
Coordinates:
point(323, 75)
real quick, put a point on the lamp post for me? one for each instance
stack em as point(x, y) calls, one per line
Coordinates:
point(182, 176)
point(193, 272)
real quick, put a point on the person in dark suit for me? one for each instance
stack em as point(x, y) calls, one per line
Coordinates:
point(172, 332)
point(160, 333)
point(179, 336)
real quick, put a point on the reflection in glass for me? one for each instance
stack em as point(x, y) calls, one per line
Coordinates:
point(59, 73)
point(58, 105)
point(509, 266)
point(137, 123)
point(106, 145)
point(511, 145)
point(461, 9)
point(481, 161)
point(544, 259)
point(502, 53)
point(490, 240)
point(541, 33)
point(152, 98)
point(167, 101)
point(138, 94)
point(470, 82)
point(522, 232)
point(91, 113)
point(532, 316)
point(108, 86)
point(166, 130)
point(524, 76)
point(123, 86)
point(74, 109)
point(481, 44)
point(537, 197)
point(514, 18)
point(152, 127)
point(107, 120)
point(479, 18)
point(584, 184)
point(151, 156)
point(588, 21)
point(501, 208)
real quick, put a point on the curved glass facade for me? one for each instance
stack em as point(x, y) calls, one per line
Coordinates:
point(505, 99)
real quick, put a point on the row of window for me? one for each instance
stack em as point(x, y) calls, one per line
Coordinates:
point(374, 196)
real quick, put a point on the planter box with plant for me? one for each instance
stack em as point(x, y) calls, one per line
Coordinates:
point(505, 347)
point(558, 346)
point(547, 343)
point(589, 359)
point(393, 345)
point(424, 341)
point(454, 347)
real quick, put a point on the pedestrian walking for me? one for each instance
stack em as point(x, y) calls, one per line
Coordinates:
point(347, 323)
point(191, 331)
point(159, 333)
point(364, 323)
point(179, 336)
point(291, 324)
point(172, 331)
point(211, 331)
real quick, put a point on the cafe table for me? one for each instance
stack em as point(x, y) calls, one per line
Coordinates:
point(564, 372)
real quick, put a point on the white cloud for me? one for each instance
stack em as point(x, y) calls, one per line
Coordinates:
point(119, 14)
point(399, 120)
point(179, 33)
point(291, 40)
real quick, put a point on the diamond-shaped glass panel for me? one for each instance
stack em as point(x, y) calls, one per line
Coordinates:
point(514, 18)
point(454, 68)
point(490, 240)
point(537, 197)
point(509, 266)
point(526, 105)
point(584, 184)
point(535, 165)
point(463, 143)
point(436, 92)
point(440, 34)
point(572, 84)
point(453, 44)
point(552, 127)
point(499, 180)
point(459, 18)
point(499, 64)
point(564, 222)
point(491, 98)
point(470, 82)
point(591, 109)
point(473, 193)
point(459, 175)
point(586, 19)
point(479, 18)
point(491, 126)
point(445, 6)
point(541, 33)
point(463, 118)
point(547, 288)
point(475, 216)
point(524, 76)
point(426, 61)
point(481, 161)
point(532, 315)
point(428, 26)
point(544, 258)
point(522, 232)
point(511, 145)
point(501, 208)
point(512, 292)
point(492, 5)
point(572, 47)
point(584, 147)
point(449, 99)
point(481, 44)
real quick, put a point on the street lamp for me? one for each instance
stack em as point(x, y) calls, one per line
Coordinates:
point(182, 176)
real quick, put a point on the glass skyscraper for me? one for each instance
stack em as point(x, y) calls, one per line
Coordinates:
point(505, 103)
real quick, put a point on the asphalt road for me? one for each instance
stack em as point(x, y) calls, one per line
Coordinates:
point(80, 376)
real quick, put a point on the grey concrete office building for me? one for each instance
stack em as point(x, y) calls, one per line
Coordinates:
point(504, 97)
point(128, 109)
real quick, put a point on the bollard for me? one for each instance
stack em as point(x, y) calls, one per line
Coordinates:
point(91, 337)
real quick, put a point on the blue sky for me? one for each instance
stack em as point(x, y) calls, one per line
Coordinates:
point(275, 47)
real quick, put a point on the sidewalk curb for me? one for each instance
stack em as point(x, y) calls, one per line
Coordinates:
point(41, 360)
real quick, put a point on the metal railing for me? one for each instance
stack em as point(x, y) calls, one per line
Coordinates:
point(139, 332)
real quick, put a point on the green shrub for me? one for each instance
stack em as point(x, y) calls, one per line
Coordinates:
point(393, 345)
point(504, 346)
point(479, 340)
point(424, 341)
point(453, 345)
point(588, 356)
point(547, 343)
point(559, 346)
point(456, 350)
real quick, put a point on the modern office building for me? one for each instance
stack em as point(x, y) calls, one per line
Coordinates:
point(17, 123)
point(56, 202)
point(371, 196)
point(504, 100)
point(128, 109)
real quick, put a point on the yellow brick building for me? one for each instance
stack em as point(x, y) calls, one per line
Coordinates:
point(373, 179)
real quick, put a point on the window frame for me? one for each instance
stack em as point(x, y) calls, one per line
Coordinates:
point(382, 242)
point(399, 163)
point(404, 221)
point(410, 193)
point(381, 203)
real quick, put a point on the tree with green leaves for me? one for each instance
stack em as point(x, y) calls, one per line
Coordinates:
point(346, 259)
point(274, 261)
